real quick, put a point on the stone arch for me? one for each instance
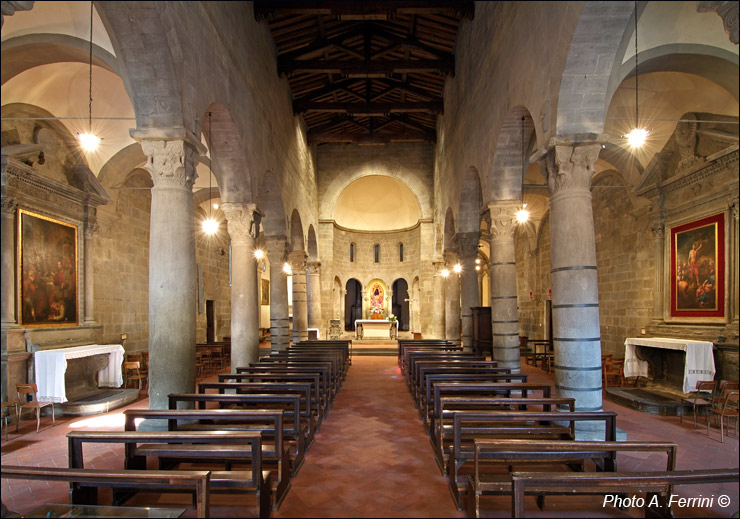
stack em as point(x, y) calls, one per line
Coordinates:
point(449, 242)
point(510, 162)
point(337, 299)
point(593, 52)
point(313, 245)
point(227, 154)
point(152, 83)
point(114, 171)
point(297, 241)
point(270, 200)
point(470, 202)
point(33, 50)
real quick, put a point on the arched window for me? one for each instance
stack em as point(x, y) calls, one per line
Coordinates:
point(376, 249)
point(351, 252)
point(400, 252)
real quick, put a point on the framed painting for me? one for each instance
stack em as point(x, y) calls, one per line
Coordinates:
point(265, 299)
point(47, 271)
point(698, 268)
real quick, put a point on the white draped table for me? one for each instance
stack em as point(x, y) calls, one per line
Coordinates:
point(699, 364)
point(51, 365)
point(376, 328)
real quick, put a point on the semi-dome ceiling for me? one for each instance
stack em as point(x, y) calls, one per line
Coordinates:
point(376, 203)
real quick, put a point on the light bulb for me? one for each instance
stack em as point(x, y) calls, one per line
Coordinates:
point(287, 269)
point(457, 268)
point(445, 273)
point(88, 141)
point(210, 226)
point(522, 215)
point(637, 137)
point(259, 253)
point(215, 206)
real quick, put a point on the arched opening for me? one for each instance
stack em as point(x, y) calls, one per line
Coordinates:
point(400, 304)
point(352, 303)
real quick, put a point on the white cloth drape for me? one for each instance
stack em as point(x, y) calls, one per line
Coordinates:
point(51, 365)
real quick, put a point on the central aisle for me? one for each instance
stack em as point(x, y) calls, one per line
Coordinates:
point(372, 457)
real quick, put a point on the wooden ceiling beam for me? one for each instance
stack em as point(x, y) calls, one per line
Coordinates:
point(366, 138)
point(319, 45)
point(411, 43)
point(373, 68)
point(266, 10)
point(368, 108)
point(410, 89)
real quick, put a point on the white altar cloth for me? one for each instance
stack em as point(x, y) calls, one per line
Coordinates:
point(51, 365)
point(376, 328)
point(699, 363)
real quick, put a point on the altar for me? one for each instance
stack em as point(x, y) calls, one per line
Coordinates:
point(376, 329)
point(50, 367)
point(698, 365)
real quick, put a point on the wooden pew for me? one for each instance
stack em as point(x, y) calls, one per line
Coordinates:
point(335, 363)
point(312, 378)
point(194, 482)
point(493, 460)
point(298, 433)
point(616, 483)
point(327, 389)
point(225, 445)
point(405, 349)
point(441, 435)
point(268, 422)
point(532, 425)
point(402, 343)
point(415, 357)
point(344, 346)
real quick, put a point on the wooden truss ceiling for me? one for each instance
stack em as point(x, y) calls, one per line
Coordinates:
point(366, 72)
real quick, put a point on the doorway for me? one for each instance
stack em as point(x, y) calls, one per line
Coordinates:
point(210, 322)
point(352, 304)
point(400, 304)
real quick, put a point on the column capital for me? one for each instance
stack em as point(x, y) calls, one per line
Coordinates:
point(276, 246)
point(568, 161)
point(240, 220)
point(313, 266)
point(171, 155)
point(503, 218)
point(658, 232)
point(468, 243)
point(733, 206)
point(297, 260)
point(8, 205)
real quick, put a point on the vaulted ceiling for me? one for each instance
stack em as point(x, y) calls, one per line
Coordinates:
point(366, 72)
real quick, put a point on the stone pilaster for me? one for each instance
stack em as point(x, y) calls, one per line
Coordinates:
point(89, 231)
point(504, 312)
point(9, 209)
point(172, 155)
point(575, 297)
point(313, 293)
point(297, 260)
point(734, 277)
point(658, 292)
point(438, 301)
point(241, 224)
point(279, 321)
point(469, 295)
point(452, 299)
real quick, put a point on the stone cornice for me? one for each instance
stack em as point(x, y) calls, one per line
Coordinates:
point(178, 133)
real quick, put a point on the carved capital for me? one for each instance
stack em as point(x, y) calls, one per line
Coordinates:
point(468, 242)
point(90, 229)
point(240, 221)
point(297, 260)
point(734, 209)
point(503, 218)
point(170, 163)
point(276, 246)
point(728, 11)
point(658, 232)
point(313, 267)
point(570, 167)
point(8, 205)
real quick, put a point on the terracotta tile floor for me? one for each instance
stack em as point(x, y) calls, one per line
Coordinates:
point(372, 458)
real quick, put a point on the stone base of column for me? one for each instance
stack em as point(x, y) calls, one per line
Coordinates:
point(279, 334)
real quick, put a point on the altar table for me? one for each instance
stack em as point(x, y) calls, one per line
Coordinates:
point(51, 365)
point(699, 364)
point(376, 328)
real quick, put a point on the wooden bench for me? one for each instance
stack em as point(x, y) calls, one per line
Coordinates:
point(422, 367)
point(531, 425)
point(327, 389)
point(335, 363)
point(558, 456)
point(344, 346)
point(404, 347)
point(402, 343)
point(414, 358)
point(224, 445)
point(299, 434)
point(616, 483)
point(87, 481)
point(313, 378)
point(268, 422)
point(541, 352)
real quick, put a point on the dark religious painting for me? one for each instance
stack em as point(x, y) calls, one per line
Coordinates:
point(47, 264)
point(697, 268)
point(265, 289)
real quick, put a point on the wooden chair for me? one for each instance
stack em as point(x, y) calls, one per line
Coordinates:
point(614, 369)
point(200, 365)
point(6, 414)
point(32, 389)
point(139, 357)
point(702, 397)
point(132, 371)
point(728, 410)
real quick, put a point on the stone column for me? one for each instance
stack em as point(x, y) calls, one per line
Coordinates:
point(172, 155)
point(575, 296)
point(279, 321)
point(504, 312)
point(658, 293)
point(452, 300)
point(468, 284)
point(438, 301)
point(90, 228)
point(313, 292)
point(245, 316)
point(9, 208)
point(297, 260)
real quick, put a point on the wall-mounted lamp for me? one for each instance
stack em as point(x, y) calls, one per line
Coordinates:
point(287, 269)
point(445, 273)
point(457, 268)
point(522, 215)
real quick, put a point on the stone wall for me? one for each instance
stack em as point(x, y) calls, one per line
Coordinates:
point(533, 275)
point(212, 255)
